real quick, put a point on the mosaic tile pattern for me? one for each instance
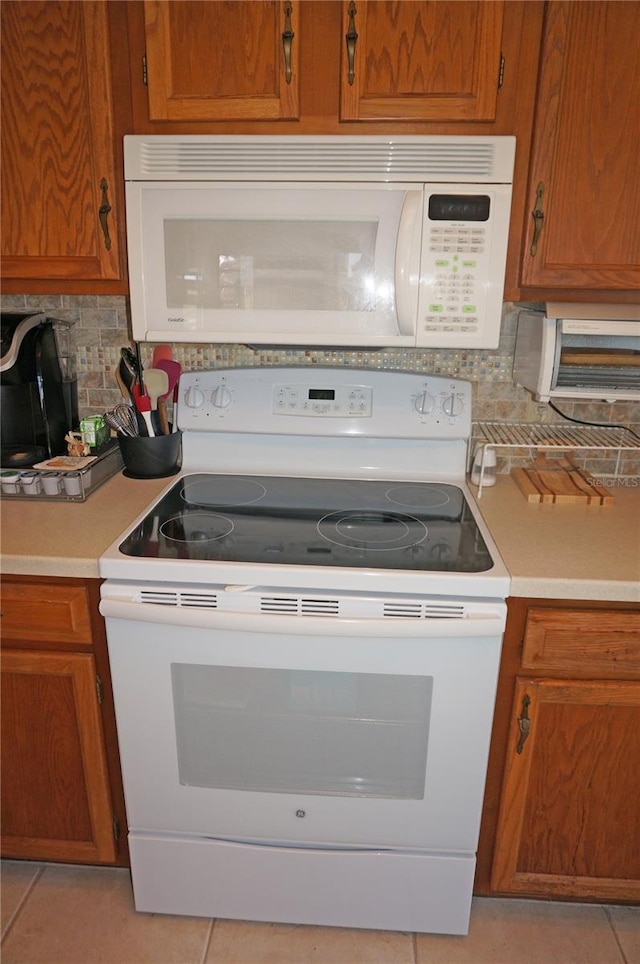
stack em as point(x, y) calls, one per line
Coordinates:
point(100, 329)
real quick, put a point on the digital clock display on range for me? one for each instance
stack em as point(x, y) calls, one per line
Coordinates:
point(459, 207)
point(322, 394)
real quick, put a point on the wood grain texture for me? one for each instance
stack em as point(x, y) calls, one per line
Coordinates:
point(426, 61)
point(603, 644)
point(585, 149)
point(61, 750)
point(56, 802)
point(493, 845)
point(559, 480)
point(46, 611)
point(57, 141)
point(569, 821)
point(220, 61)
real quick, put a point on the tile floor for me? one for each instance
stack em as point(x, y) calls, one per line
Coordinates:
point(58, 914)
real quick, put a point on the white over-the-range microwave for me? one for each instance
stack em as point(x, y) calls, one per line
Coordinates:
point(368, 241)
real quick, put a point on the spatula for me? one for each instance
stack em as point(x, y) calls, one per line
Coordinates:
point(156, 382)
point(143, 405)
point(161, 353)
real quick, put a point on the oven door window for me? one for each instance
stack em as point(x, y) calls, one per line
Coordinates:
point(302, 731)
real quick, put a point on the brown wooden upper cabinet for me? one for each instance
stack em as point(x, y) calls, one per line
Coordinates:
point(434, 61)
point(233, 60)
point(410, 61)
point(583, 204)
point(59, 182)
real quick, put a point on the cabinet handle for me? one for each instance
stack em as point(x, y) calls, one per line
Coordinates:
point(538, 219)
point(524, 724)
point(287, 40)
point(103, 213)
point(351, 38)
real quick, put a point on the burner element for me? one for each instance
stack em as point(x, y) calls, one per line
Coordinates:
point(222, 491)
point(196, 527)
point(418, 496)
point(372, 530)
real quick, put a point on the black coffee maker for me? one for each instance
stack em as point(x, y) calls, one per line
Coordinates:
point(39, 402)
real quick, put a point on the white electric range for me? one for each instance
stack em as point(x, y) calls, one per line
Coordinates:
point(304, 633)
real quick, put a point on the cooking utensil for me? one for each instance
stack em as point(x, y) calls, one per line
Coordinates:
point(161, 353)
point(122, 418)
point(156, 383)
point(143, 406)
point(130, 360)
point(173, 370)
point(123, 381)
point(140, 367)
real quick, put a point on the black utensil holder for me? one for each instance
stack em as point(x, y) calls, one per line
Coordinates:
point(151, 458)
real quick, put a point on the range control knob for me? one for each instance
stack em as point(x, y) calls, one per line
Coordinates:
point(424, 403)
point(453, 405)
point(221, 397)
point(194, 397)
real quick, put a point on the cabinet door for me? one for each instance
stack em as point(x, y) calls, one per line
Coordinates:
point(56, 802)
point(58, 165)
point(222, 61)
point(46, 612)
point(434, 61)
point(569, 821)
point(585, 169)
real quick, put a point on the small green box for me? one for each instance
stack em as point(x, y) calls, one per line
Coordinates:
point(94, 430)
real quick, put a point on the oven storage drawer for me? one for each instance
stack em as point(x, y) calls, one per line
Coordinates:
point(339, 888)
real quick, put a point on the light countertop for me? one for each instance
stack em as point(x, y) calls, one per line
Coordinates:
point(553, 551)
point(67, 538)
point(561, 551)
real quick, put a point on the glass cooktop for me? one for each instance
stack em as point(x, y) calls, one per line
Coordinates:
point(313, 522)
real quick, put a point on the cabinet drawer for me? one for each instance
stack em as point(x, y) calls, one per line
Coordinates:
point(602, 643)
point(46, 612)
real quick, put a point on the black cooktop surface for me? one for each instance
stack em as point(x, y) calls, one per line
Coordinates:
point(313, 522)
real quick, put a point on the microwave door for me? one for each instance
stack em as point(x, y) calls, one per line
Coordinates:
point(310, 265)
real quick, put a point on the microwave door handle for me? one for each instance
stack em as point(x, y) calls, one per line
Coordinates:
point(407, 262)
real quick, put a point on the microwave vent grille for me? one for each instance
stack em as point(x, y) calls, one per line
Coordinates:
point(429, 159)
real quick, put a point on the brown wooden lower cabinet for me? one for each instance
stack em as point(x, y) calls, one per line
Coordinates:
point(61, 787)
point(562, 807)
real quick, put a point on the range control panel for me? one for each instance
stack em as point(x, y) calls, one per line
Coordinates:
point(328, 401)
point(325, 401)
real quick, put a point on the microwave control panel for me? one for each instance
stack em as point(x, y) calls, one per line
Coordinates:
point(462, 268)
point(456, 242)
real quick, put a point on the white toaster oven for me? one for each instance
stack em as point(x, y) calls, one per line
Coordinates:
point(579, 351)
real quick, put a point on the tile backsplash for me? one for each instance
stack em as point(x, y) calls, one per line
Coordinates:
point(100, 329)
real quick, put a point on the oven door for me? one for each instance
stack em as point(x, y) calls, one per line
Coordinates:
point(306, 731)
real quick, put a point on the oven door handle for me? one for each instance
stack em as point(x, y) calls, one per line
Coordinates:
point(487, 620)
